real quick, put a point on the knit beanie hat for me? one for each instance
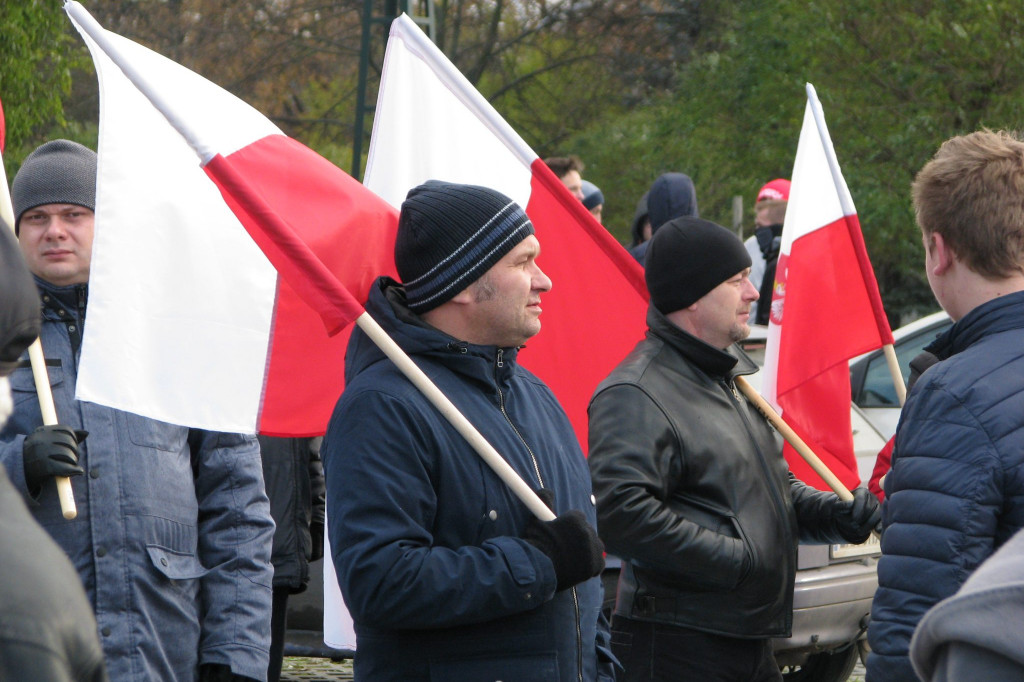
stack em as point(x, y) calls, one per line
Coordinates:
point(57, 172)
point(449, 235)
point(592, 195)
point(687, 258)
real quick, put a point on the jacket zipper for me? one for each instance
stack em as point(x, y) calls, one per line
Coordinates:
point(499, 363)
point(501, 405)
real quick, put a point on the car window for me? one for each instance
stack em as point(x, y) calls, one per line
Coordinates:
point(877, 389)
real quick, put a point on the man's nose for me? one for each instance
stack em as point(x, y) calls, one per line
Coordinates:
point(541, 282)
point(56, 228)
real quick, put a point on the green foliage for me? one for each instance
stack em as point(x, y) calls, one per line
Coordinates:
point(895, 79)
point(38, 55)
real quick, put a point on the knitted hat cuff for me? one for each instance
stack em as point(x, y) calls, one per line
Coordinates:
point(57, 172)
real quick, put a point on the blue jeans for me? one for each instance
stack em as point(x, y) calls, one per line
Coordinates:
point(657, 652)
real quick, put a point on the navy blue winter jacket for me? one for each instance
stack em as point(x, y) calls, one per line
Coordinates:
point(426, 539)
point(955, 493)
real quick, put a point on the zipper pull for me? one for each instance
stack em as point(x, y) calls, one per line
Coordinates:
point(735, 392)
point(501, 353)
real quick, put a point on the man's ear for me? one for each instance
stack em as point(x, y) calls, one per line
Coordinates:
point(942, 257)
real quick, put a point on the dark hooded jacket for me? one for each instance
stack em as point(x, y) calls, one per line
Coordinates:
point(672, 196)
point(426, 539)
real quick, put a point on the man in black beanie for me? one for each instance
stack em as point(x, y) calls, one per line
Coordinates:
point(692, 490)
point(445, 572)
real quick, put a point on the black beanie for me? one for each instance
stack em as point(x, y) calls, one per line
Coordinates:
point(687, 258)
point(449, 235)
point(57, 172)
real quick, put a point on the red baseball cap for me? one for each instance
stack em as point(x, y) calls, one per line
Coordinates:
point(776, 190)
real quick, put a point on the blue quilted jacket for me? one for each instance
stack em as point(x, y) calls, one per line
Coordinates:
point(955, 493)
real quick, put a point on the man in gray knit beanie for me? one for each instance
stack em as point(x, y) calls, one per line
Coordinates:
point(58, 172)
point(54, 194)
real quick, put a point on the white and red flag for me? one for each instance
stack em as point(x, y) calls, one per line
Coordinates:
point(825, 308)
point(431, 123)
point(227, 256)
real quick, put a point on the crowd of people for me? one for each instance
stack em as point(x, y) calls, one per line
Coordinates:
point(187, 543)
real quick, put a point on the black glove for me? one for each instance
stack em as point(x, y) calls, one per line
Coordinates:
point(856, 519)
point(571, 543)
point(51, 450)
point(218, 672)
point(316, 536)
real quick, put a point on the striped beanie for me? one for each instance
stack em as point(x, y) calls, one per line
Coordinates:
point(58, 172)
point(449, 235)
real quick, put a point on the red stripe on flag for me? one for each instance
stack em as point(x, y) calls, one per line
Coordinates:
point(329, 238)
point(867, 273)
point(823, 407)
point(828, 319)
point(596, 310)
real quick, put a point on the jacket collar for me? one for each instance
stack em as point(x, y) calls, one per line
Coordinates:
point(72, 297)
point(386, 304)
point(998, 315)
point(714, 361)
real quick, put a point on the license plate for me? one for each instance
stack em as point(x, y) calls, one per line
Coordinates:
point(873, 545)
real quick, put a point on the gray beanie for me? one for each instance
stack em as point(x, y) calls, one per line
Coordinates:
point(687, 258)
point(57, 172)
point(449, 235)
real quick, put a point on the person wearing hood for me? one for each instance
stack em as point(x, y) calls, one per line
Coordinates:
point(673, 195)
point(593, 199)
point(445, 572)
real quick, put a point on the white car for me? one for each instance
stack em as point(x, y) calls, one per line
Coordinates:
point(871, 382)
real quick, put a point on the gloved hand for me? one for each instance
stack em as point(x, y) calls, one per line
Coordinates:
point(572, 545)
point(856, 519)
point(51, 450)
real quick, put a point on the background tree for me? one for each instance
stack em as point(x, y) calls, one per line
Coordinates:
point(37, 55)
point(895, 80)
point(635, 87)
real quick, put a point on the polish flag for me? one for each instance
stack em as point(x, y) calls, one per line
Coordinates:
point(431, 123)
point(825, 307)
point(197, 314)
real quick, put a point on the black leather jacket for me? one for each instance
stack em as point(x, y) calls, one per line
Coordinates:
point(693, 492)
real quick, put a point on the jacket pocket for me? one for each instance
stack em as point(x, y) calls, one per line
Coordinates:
point(23, 383)
point(538, 667)
point(706, 515)
point(176, 565)
point(150, 433)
